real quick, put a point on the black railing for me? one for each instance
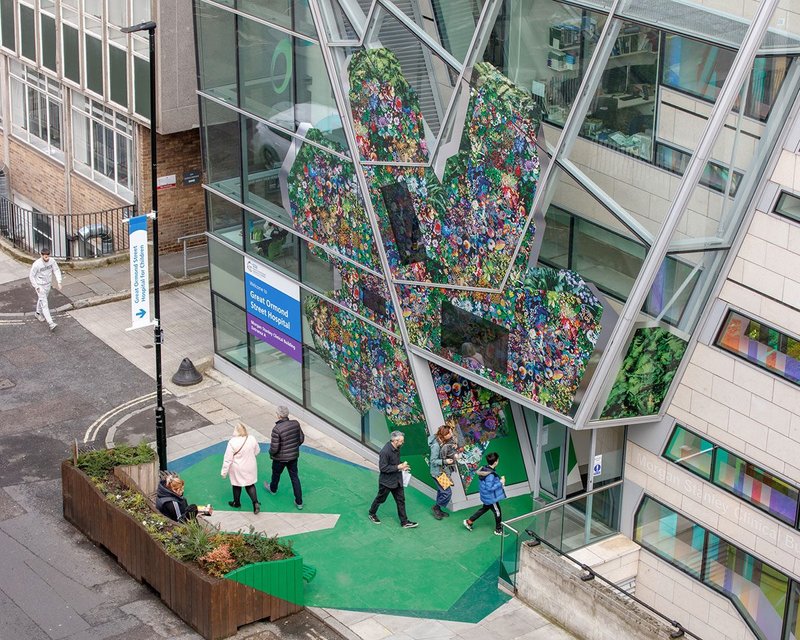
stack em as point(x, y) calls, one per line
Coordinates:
point(72, 236)
point(590, 574)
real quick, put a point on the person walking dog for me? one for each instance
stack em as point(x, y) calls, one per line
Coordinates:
point(390, 480)
point(41, 277)
point(284, 449)
point(240, 465)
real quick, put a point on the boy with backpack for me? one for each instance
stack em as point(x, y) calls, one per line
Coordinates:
point(492, 491)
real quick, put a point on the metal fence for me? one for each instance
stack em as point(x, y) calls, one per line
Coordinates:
point(68, 236)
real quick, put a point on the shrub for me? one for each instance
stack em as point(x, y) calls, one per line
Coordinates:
point(97, 464)
point(218, 561)
point(190, 541)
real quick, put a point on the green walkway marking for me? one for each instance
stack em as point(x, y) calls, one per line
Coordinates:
point(439, 570)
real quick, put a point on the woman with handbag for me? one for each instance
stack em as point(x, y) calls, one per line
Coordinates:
point(442, 464)
point(240, 464)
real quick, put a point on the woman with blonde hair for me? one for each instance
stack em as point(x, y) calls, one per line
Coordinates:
point(240, 465)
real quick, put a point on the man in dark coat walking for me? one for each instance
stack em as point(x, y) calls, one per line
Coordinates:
point(390, 480)
point(284, 449)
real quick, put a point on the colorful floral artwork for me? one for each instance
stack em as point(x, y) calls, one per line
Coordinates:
point(472, 220)
point(371, 367)
point(646, 373)
point(325, 202)
point(552, 320)
point(478, 413)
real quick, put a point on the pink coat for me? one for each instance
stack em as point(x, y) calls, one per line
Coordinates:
point(241, 467)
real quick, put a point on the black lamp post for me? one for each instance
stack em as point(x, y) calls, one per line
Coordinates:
point(158, 334)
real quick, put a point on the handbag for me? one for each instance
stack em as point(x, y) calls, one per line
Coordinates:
point(444, 481)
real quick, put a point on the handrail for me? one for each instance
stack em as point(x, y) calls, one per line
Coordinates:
point(558, 505)
point(184, 240)
point(591, 574)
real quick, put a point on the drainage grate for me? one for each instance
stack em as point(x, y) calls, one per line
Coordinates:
point(7, 383)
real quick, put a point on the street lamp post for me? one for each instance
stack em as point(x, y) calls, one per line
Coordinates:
point(158, 334)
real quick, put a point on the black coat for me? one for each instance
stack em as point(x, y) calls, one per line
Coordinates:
point(388, 459)
point(172, 505)
point(287, 436)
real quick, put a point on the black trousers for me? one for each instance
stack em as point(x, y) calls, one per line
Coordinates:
point(494, 508)
point(251, 491)
point(399, 495)
point(277, 469)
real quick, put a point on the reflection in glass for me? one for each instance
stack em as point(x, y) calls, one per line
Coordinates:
point(715, 176)
point(226, 268)
point(224, 218)
point(230, 336)
point(273, 244)
point(788, 206)
point(324, 398)
point(222, 148)
point(216, 51)
point(691, 451)
point(292, 14)
point(275, 368)
point(670, 535)
point(479, 342)
point(404, 222)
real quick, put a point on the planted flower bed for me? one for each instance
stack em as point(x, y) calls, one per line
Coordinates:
point(184, 563)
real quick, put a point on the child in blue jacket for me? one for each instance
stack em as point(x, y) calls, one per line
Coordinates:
point(492, 491)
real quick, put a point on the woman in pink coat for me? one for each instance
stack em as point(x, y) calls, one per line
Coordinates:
point(240, 465)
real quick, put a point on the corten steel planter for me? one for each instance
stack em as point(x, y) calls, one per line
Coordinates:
point(214, 607)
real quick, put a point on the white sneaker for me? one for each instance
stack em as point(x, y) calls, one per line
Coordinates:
point(53, 326)
point(39, 316)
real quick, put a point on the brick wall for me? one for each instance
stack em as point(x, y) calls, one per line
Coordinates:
point(36, 177)
point(181, 208)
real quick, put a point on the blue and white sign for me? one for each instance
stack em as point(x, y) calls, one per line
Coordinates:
point(140, 272)
point(272, 298)
point(597, 467)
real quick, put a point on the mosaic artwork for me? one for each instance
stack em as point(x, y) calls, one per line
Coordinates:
point(471, 221)
point(548, 325)
point(371, 367)
point(479, 415)
point(646, 373)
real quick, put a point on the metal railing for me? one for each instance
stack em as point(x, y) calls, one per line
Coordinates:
point(590, 574)
point(568, 525)
point(201, 256)
point(73, 236)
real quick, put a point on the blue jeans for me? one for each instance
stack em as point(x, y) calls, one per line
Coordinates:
point(443, 496)
point(277, 469)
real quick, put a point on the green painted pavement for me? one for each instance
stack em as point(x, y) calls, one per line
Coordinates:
point(439, 570)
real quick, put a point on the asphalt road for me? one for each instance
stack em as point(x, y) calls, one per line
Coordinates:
point(54, 584)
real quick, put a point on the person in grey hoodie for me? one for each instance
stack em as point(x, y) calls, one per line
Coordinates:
point(41, 277)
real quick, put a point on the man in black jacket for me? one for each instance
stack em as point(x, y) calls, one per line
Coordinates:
point(284, 449)
point(390, 480)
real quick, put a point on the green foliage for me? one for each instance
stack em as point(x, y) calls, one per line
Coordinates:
point(98, 464)
point(647, 371)
point(268, 548)
point(190, 541)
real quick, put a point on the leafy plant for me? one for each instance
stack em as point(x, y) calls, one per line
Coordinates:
point(218, 561)
point(646, 374)
point(97, 464)
point(191, 541)
point(268, 548)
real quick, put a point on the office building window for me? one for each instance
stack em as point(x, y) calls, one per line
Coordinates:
point(758, 590)
point(47, 31)
point(27, 32)
point(70, 44)
point(102, 145)
point(715, 176)
point(734, 474)
point(701, 69)
point(8, 34)
point(762, 345)
point(788, 206)
point(36, 109)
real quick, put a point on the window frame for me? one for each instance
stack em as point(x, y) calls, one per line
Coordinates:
point(29, 81)
point(782, 194)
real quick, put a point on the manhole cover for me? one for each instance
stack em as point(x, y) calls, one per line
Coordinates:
point(6, 383)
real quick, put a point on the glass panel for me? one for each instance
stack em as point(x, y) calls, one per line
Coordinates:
point(7, 24)
point(227, 272)
point(216, 51)
point(762, 345)
point(94, 63)
point(275, 368)
point(318, 272)
point(670, 535)
point(222, 148)
point(714, 177)
point(690, 451)
point(48, 31)
point(554, 457)
point(789, 206)
point(284, 80)
point(324, 398)
point(224, 219)
point(118, 75)
point(757, 486)
point(71, 48)
point(267, 149)
point(230, 337)
point(792, 631)
point(273, 245)
point(337, 24)
point(141, 86)
point(27, 32)
point(292, 14)
point(758, 590)
point(610, 443)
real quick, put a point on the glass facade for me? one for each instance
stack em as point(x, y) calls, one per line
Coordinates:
point(490, 191)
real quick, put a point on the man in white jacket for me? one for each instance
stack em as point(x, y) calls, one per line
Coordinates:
point(41, 278)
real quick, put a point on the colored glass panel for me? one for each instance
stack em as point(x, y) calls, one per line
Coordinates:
point(670, 535)
point(690, 451)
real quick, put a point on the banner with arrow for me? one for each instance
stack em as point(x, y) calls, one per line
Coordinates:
point(140, 272)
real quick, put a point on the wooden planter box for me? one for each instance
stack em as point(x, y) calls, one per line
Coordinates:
point(214, 607)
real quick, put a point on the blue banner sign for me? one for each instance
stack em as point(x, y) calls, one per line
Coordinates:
point(272, 298)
